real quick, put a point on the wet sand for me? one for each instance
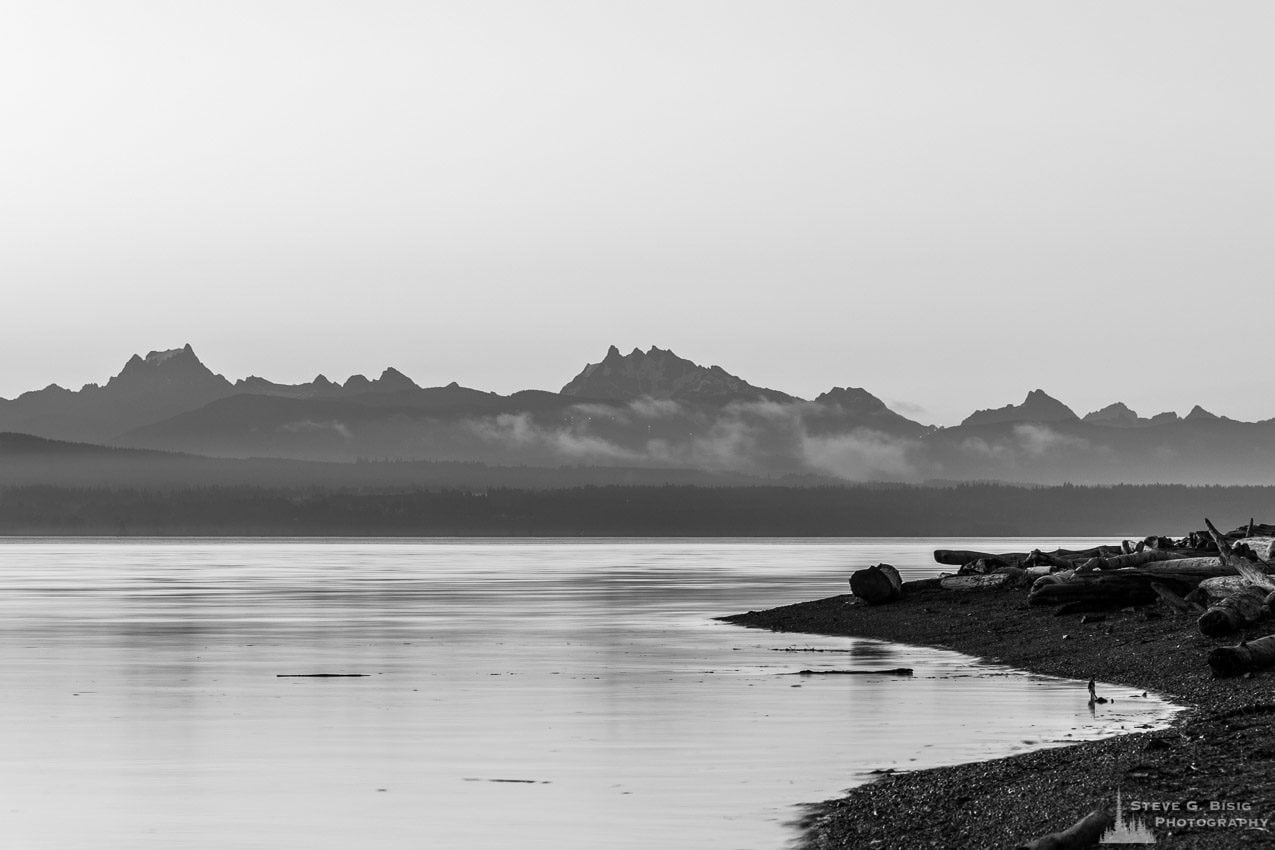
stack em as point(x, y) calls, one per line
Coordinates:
point(1220, 749)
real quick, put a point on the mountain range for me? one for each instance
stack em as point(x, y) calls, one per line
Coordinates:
point(645, 410)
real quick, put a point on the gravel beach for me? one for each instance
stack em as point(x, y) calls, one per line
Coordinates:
point(1220, 752)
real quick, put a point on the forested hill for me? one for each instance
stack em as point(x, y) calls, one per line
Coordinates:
point(892, 510)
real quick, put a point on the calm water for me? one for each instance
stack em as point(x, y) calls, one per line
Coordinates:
point(142, 705)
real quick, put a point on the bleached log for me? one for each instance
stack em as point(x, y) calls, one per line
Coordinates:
point(1255, 574)
point(1053, 578)
point(1092, 552)
point(1261, 546)
point(984, 566)
point(989, 581)
point(1217, 588)
point(1184, 568)
point(1137, 559)
point(1049, 559)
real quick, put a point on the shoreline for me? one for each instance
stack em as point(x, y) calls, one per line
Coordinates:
point(1219, 749)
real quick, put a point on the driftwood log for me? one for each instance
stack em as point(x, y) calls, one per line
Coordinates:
point(1083, 833)
point(889, 671)
point(1242, 566)
point(989, 581)
point(1173, 600)
point(1137, 559)
point(1099, 594)
point(1053, 578)
point(1254, 529)
point(1126, 586)
point(1215, 589)
point(1092, 552)
point(877, 585)
point(1092, 565)
point(1191, 569)
point(1038, 558)
point(983, 566)
point(1247, 657)
point(1241, 609)
point(1259, 546)
point(961, 557)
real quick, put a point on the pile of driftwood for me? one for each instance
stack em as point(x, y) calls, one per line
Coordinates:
point(1226, 580)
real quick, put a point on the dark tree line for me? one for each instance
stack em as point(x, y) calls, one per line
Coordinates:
point(963, 510)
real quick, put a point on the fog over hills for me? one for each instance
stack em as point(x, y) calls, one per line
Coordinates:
point(646, 410)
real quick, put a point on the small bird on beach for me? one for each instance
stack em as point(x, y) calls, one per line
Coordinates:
point(1093, 693)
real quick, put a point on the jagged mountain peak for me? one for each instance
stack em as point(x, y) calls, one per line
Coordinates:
point(1038, 406)
point(393, 379)
point(1199, 414)
point(853, 398)
point(660, 373)
point(173, 366)
point(163, 383)
point(856, 407)
point(390, 380)
point(1117, 409)
point(170, 356)
point(1115, 414)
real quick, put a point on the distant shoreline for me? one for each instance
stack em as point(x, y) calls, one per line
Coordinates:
point(1004, 802)
point(193, 509)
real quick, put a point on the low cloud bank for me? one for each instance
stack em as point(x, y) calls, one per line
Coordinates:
point(759, 438)
point(1024, 442)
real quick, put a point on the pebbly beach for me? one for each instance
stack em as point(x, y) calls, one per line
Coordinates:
point(1208, 781)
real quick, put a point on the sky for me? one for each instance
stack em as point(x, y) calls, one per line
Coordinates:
point(948, 204)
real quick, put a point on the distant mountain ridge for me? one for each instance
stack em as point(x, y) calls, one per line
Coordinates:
point(157, 386)
point(649, 410)
point(391, 380)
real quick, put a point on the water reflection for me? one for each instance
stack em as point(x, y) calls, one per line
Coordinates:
point(144, 707)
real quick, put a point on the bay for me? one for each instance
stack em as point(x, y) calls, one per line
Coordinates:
point(510, 694)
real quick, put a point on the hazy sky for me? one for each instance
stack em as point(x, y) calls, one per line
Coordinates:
point(947, 203)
